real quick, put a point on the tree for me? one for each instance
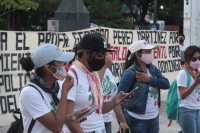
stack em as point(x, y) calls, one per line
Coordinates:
point(138, 7)
point(9, 8)
point(107, 13)
point(21, 14)
point(172, 13)
point(44, 12)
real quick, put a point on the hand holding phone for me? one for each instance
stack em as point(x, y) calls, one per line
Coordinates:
point(90, 110)
point(130, 93)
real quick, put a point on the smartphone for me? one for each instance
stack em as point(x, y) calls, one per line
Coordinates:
point(127, 130)
point(91, 109)
point(130, 93)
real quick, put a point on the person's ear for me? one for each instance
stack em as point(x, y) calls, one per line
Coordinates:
point(137, 54)
point(49, 69)
point(86, 54)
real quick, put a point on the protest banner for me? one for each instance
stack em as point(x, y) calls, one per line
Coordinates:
point(16, 44)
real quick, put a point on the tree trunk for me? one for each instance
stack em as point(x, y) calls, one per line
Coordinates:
point(8, 21)
point(13, 20)
point(144, 9)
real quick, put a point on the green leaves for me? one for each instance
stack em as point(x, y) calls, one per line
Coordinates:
point(48, 5)
point(19, 4)
point(108, 13)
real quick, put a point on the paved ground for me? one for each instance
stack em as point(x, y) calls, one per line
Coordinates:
point(174, 128)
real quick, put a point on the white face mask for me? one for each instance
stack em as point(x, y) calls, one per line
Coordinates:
point(61, 73)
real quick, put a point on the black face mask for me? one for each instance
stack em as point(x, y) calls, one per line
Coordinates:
point(96, 64)
point(181, 40)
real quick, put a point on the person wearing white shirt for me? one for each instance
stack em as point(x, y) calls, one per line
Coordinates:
point(87, 88)
point(182, 47)
point(38, 99)
point(189, 107)
point(110, 90)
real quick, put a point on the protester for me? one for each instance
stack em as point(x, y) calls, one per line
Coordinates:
point(141, 112)
point(189, 107)
point(136, 27)
point(87, 86)
point(38, 98)
point(182, 47)
point(110, 90)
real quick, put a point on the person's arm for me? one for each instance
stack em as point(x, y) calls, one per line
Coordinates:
point(159, 81)
point(127, 79)
point(38, 109)
point(108, 106)
point(108, 63)
point(185, 92)
point(182, 84)
point(120, 116)
point(73, 126)
point(124, 86)
point(72, 117)
point(55, 122)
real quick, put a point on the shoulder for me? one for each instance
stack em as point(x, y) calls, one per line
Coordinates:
point(182, 74)
point(30, 92)
point(131, 69)
point(128, 73)
point(154, 68)
point(30, 89)
point(108, 73)
point(76, 71)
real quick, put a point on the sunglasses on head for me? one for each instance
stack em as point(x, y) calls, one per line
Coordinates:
point(195, 59)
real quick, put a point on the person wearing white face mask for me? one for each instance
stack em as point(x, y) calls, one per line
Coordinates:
point(42, 111)
point(141, 112)
point(189, 107)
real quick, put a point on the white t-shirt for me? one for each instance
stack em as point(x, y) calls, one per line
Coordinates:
point(193, 100)
point(182, 49)
point(152, 104)
point(109, 90)
point(82, 97)
point(32, 106)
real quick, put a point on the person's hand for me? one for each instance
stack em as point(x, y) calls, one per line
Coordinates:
point(78, 113)
point(68, 83)
point(117, 99)
point(142, 77)
point(169, 123)
point(197, 79)
point(124, 126)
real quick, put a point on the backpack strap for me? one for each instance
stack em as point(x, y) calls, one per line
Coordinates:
point(31, 125)
point(36, 89)
point(188, 77)
point(33, 121)
point(15, 117)
point(72, 70)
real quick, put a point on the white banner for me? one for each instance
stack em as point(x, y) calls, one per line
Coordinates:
point(15, 44)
